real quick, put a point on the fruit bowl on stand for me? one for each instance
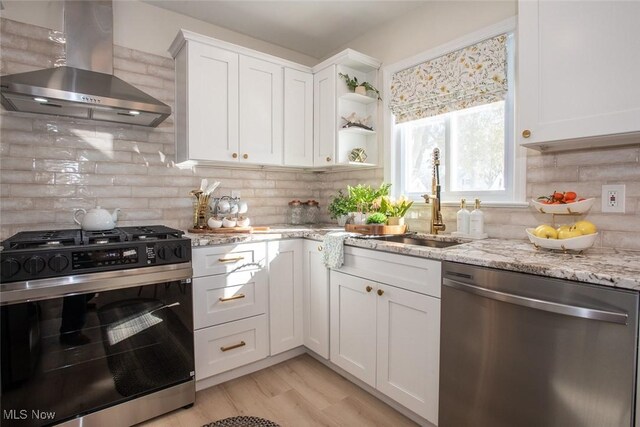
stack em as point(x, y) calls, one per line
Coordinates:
point(564, 208)
point(579, 243)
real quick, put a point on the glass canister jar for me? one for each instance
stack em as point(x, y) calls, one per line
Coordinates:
point(296, 212)
point(312, 212)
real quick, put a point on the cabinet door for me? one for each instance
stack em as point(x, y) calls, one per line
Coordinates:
point(578, 69)
point(408, 349)
point(316, 300)
point(285, 295)
point(261, 104)
point(212, 103)
point(353, 326)
point(298, 118)
point(324, 116)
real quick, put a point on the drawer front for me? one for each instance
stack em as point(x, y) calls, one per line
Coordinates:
point(228, 297)
point(415, 274)
point(209, 260)
point(224, 347)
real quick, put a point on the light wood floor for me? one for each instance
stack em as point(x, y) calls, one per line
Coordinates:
point(299, 392)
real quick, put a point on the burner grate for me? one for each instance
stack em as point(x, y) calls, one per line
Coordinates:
point(43, 239)
point(103, 237)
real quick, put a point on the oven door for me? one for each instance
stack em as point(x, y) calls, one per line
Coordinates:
point(73, 354)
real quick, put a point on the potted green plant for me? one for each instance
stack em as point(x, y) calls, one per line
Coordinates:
point(363, 197)
point(395, 210)
point(340, 207)
point(359, 87)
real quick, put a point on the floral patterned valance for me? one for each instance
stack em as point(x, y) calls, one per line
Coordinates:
point(461, 79)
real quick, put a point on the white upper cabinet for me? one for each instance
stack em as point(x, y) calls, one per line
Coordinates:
point(261, 104)
point(206, 103)
point(298, 118)
point(324, 116)
point(578, 74)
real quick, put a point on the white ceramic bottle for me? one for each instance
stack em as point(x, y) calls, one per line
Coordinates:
point(476, 220)
point(463, 218)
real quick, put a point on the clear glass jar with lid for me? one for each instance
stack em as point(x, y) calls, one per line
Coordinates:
point(296, 212)
point(312, 212)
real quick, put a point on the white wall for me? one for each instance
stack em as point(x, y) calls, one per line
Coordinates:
point(436, 23)
point(144, 27)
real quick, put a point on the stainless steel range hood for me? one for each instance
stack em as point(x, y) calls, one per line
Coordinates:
point(86, 88)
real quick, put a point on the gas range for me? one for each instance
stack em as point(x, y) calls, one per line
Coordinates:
point(32, 255)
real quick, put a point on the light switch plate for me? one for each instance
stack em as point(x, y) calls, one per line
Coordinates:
point(613, 198)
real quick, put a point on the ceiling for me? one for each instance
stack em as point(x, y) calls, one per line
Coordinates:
point(315, 28)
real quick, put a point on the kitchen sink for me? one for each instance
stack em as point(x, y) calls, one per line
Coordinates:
point(420, 241)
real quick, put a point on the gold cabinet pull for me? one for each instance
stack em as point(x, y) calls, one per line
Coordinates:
point(231, 347)
point(225, 260)
point(526, 133)
point(319, 248)
point(369, 288)
point(234, 155)
point(245, 156)
point(328, 159)
point(380, 292)
point(238, 296)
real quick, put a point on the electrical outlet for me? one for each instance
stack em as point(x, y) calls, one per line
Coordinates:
point(235, 193)
point(613, 198)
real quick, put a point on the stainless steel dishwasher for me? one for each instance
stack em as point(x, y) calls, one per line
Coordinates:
point(524, 350)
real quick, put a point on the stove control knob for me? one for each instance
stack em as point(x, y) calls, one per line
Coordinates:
point(58, 263)
point(162, 253)
point(179, 252)
point(10, 267)
point(34, 265)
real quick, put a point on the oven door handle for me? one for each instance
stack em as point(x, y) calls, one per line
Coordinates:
point(538, 304)
point(56, 287)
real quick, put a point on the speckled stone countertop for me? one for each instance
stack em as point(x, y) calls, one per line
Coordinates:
point(603, 266)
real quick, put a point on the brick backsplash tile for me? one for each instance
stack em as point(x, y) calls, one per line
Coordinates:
point(85, 163)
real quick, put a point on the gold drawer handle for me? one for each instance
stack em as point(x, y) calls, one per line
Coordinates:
point(231, 347)
point(369, 288)
point(319, 248)
point(328, 159)
point(239, 296)
point(234, 155)
point(380, 292)
point(225, 260)
point(526, 133)
point(245, 156)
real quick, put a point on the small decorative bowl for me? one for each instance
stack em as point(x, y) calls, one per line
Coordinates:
point(564, 209)
point(228, 222)
point(214, 222)
point(243, 221)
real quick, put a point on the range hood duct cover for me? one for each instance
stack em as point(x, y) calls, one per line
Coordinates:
point(85, 88)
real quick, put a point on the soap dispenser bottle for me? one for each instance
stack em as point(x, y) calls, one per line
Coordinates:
point(476, 220)
point(463, 218)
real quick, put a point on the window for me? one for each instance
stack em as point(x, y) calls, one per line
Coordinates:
point(476, 143)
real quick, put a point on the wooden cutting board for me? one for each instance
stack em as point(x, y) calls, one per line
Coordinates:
point(376, 229)
point(225, 230)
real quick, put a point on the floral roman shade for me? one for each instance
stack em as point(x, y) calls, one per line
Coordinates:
point(461, 79)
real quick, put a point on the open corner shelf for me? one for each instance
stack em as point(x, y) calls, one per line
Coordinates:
point(358, 131)
point(356, 97)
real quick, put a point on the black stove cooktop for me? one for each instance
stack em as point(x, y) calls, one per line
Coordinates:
point(53, 253)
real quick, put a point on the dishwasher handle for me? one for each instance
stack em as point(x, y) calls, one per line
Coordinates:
point(550, 306)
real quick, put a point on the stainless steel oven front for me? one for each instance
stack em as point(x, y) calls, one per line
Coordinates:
point(110, 348)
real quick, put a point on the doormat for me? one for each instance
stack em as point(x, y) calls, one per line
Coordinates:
point(242, 422)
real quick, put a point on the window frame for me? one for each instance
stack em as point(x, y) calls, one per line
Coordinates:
point(515, 172)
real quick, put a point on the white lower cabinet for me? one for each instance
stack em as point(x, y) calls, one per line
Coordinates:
point(387, 336)
point(315, 299)
point(230, 300)
point(285, 294)
point(230, 345)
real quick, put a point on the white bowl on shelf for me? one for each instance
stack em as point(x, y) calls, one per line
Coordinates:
point(214, 222)
point(564, 209)
point(228, 222)
point(579, 243)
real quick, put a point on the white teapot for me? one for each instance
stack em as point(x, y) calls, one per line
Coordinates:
point(96, 219)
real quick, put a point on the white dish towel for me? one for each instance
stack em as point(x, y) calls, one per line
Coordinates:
point(333, 248)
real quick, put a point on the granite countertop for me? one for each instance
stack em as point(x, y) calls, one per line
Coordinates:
point(603, 266)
